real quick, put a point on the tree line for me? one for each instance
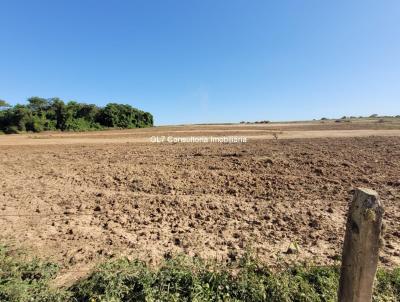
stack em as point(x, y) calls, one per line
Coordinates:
point(41, 114)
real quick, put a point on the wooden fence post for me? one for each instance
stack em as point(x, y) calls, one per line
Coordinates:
point(361, 247)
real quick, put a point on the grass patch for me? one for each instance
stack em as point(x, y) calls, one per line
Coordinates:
point(27, 280)
point(182, 279)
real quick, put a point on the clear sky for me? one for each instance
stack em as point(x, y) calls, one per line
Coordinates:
point(191, 61)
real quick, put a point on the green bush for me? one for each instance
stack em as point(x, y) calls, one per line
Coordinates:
point(79, 124)
point(11, 130)
point(53, 114)
point(183, 279)
point(50, 125)
point(35, 124)
point(388, 285)
point(123, 116)
point(28, 281)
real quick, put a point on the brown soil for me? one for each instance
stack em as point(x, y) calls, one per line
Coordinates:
point(78, 203)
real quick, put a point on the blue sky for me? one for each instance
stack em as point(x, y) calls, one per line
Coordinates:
point(192, 61)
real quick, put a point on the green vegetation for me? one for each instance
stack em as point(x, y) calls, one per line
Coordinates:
point(183, 279)
point(27, 280)
point(53, 114)
point(371, 117)
point(3, 104)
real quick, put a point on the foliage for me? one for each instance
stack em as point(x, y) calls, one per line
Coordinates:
point(53, 114)
point(27, 281)
point(124, 116)
point(183, 279)
point(3, 104)
point(388, 287)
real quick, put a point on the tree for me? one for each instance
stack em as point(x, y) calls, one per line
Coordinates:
point(50, 114)
point(124, 116)
point(88, 112)
point(60, 113)
point(20, 116)
point(37, 103)
point(3, 104)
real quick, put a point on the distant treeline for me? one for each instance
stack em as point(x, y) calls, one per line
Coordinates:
point(42, 114)
point(372, 116)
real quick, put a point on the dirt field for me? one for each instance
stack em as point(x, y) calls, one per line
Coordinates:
point(80, 198)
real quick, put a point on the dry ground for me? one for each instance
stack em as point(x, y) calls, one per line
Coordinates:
point(80, 198)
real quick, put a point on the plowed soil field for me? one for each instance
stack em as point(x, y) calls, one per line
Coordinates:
point(80, 198)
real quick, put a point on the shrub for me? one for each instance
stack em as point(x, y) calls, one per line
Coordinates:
point(35, 124)
point(51, 114)
point(27, 281)
point(79, 124)
point(50, 125)
point(11, 130)
point(183, 279)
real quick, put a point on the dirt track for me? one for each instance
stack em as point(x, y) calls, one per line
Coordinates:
point(141, 137)
point(80, 202)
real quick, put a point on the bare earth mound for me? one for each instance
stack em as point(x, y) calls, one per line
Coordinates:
point(79, 203)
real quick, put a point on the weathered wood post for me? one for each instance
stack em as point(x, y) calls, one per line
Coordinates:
point(361, 247)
